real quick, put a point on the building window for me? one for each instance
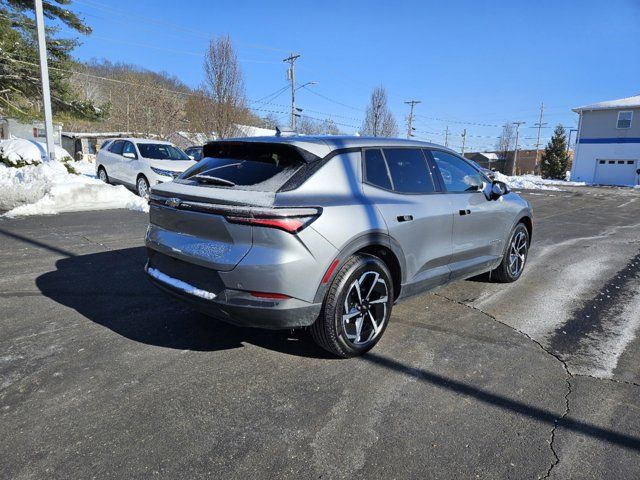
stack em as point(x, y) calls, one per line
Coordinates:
point(624, 119)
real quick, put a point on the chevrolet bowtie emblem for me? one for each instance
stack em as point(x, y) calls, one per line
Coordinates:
point(173, 202)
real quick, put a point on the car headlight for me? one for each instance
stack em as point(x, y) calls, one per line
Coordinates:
point(165, 173)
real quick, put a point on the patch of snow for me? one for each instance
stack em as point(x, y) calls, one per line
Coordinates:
point(48, 189)
point(534, 182)
point(180, 285)
point(17, 150)
point(84, 167)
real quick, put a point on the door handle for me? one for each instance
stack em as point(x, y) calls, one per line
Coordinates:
point(465, 212)
point(405, 218)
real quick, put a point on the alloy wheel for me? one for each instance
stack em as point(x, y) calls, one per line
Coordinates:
point(143, 188)
point(365, 309)
point(517, 253)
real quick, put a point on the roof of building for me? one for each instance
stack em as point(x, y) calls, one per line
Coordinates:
point(96, 134)
point(629, 102)
point(323, 145)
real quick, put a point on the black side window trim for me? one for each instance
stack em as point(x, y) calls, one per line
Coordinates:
point(439, 175)
point(437, 185)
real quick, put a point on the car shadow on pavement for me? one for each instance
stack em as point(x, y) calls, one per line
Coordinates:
point(111, 289)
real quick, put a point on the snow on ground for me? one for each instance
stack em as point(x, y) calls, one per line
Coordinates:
point(48, 188)
point(21, 150)
point(534, 182)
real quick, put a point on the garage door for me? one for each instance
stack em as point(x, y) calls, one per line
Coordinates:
point(616, 172)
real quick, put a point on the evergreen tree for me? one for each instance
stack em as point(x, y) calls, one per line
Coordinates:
point(555, 158)
point(20, 89)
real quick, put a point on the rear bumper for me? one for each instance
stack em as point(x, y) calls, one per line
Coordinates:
point(234, 307)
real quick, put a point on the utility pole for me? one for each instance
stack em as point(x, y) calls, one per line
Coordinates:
point(446, 136)
point(540, 124)
point(464, 140)
point(292, 79)
point(515, 153)
point(44, 76)
point(410, 119)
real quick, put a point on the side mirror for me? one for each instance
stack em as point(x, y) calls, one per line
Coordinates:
point(498, 189)
point(192, 157)
point(129, 155)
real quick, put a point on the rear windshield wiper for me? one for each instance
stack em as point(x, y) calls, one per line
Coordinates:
point(210, 179)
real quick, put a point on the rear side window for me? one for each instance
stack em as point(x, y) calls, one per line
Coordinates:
point(408, 170)
point(457, 174)
point(116, 147)
point(264, 167)
point(375, 169)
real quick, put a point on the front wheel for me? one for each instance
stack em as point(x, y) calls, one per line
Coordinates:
point(102, 175)
point(142, 187)
point(356, 309)
point(515, 256)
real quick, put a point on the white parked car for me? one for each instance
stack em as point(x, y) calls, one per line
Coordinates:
point(139, 164)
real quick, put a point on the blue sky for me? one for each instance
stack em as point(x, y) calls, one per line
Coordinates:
point(473, 64)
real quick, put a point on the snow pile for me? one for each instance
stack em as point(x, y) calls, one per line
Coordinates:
point(534, 182)
point(20, 151)
point(48, 188)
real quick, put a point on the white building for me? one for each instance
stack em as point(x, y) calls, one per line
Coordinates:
point(607, 149)
point(12, 128)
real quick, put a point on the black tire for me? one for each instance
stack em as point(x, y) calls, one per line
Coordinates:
point(331, 332)
point(139, 187)
point(101, 170)
point(506, 273)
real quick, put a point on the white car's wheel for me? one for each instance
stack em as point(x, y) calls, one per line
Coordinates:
point(142, 187)
point(102, 175)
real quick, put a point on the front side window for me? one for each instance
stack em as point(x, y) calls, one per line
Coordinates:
point(116, 147)
point(624, 119)
point(129, 148)
point(408, 170)
point(161, 151)
point(457, 174)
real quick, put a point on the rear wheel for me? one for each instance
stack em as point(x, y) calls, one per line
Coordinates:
point(515, 256)
point(142, 187)
point(356, 309)
point(102, 175)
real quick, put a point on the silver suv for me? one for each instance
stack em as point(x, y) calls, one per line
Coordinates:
point(329, 232)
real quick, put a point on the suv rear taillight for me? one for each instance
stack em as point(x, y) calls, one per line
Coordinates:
point(291, 220)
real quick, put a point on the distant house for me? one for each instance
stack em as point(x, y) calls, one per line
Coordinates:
point(608, 144)
point(489, 160)
point(188, 139)
point(85, 145)
point(12, 128)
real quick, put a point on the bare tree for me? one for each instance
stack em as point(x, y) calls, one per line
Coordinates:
point(329, 127)
point(379, 121)
point(505, 140)
point(309, 126)
point(224, 84)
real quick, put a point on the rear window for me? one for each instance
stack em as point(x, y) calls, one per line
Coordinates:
point(263, 167)
point(161, 151)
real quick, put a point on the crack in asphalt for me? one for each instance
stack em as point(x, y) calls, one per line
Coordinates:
point(569, 376)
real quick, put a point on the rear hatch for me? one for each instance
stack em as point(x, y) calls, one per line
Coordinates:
point(206, 215)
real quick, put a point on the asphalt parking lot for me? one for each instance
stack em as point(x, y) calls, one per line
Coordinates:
point(102, 376)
